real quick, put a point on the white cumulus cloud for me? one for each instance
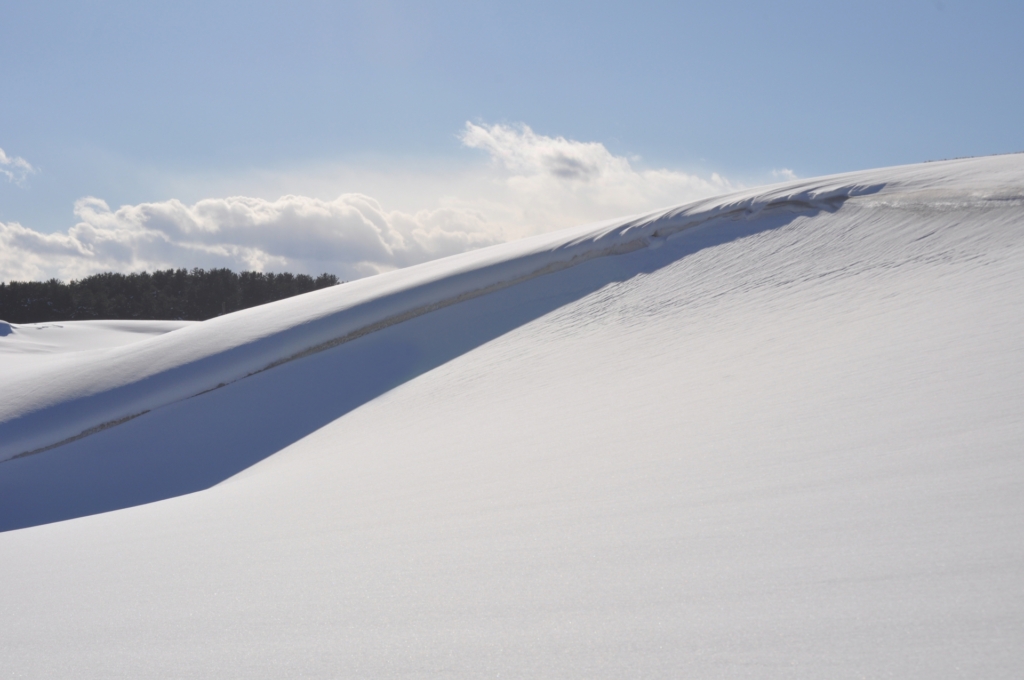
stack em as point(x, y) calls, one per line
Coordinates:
point(553, 182)
point(533, 183)
point(351, 236)
point(15, 168)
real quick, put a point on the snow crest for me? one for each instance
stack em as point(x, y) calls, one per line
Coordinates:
point(69, 399)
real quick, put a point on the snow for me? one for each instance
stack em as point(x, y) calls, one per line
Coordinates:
point(48, 407)
point(30, 347)
point(773, 434)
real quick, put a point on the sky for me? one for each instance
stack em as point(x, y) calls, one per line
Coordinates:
point(356, 137)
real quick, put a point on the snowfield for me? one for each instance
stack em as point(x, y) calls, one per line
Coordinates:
point(30, 348)
point(778, 433)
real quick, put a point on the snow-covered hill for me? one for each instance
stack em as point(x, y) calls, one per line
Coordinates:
point(774, 434)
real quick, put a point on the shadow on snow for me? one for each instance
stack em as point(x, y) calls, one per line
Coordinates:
point(194, 444)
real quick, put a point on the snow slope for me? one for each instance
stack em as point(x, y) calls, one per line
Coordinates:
point(774, 434)
point(30, 347)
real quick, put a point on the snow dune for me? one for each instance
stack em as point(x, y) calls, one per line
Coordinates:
point(773, 434)
point(51, 406)
point(29, 348)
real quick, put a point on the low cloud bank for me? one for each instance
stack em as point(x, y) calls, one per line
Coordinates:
point(351, 236)
point(534, 183)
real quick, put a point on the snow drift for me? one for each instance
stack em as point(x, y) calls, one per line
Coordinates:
point(773, 434)
point(82, 396)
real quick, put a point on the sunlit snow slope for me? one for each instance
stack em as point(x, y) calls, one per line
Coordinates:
point(31, 348)
point(774, 434)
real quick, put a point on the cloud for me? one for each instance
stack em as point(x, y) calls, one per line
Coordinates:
point(553, 182)
point(533, 183)
point(352, 236)
point(15, 168)
point(525, 153)
point(784, 174)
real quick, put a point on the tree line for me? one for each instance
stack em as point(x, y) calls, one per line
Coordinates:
point(169, 294)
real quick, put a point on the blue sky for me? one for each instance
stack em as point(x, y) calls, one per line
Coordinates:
point(135, 103)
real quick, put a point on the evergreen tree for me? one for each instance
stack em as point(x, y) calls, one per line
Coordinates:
point(169, 294)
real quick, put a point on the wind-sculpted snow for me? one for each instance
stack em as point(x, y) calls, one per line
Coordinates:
point(72, 398)
point(33, 345)
point(776, 434)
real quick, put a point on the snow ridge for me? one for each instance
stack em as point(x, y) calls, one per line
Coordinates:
point(71, 399)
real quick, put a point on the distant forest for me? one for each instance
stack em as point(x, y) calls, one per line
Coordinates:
point(170, 294)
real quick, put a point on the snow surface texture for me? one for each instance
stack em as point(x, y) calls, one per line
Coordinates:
point(775, 434)
point(30, 347)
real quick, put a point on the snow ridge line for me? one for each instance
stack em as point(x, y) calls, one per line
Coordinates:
point(627, 236)
point(619, 249)
point(80, 435)
point(830, 204)
point(636, 244)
